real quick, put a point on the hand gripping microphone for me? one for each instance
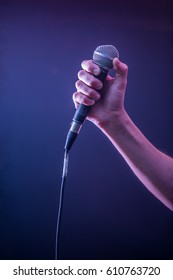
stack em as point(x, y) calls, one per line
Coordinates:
point(103, 57)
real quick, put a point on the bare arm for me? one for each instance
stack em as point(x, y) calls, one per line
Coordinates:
point(153, 168)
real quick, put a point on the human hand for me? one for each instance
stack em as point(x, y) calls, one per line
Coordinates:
point(107, 100)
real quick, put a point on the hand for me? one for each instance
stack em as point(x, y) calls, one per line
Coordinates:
point(107, 99)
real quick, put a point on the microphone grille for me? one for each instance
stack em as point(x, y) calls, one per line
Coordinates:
point(104, 55)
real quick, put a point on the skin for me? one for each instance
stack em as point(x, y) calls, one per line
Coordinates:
point(153, 168)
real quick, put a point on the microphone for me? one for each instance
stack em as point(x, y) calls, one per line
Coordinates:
point(103, 57)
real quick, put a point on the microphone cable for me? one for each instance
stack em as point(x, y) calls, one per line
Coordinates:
point(58, 223)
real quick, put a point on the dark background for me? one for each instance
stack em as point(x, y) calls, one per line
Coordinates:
point(108, 213)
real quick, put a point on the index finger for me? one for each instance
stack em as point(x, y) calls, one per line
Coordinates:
point(91, 67)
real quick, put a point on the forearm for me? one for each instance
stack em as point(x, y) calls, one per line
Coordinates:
point(152, 167)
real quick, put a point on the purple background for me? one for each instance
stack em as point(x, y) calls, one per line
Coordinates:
point(108, 214)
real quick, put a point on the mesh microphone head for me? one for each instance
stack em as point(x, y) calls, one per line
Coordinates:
point(104, 55)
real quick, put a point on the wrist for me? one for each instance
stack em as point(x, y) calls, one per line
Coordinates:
point(115, 119)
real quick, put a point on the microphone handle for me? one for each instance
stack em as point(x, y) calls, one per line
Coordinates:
point(83, 110)
point(80, 115)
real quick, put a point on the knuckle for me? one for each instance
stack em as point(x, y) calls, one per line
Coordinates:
point(79, 98)
point(85, 99)
point(87, 65)
point(90, 67)
point(96, 84)
point(81, 73)
point(92, 83)
point(89, 92)
point(78, 84)
point(74, 96)
point(84, 63)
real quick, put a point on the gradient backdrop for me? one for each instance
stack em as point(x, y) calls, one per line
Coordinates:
point(108, 213)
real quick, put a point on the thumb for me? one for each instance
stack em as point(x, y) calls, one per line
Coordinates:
point(121, 69)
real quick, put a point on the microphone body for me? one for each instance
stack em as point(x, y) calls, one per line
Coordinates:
point(103, 57)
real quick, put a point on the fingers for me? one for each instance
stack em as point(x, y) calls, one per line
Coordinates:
point(91, 67)
point(88, 85)
point(86, 90)
point(89, 80)
point(78, 97)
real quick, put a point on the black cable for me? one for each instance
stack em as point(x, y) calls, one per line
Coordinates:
point(58, 225)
